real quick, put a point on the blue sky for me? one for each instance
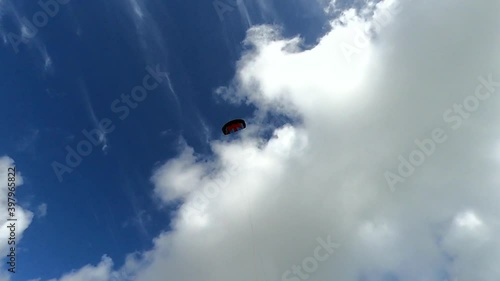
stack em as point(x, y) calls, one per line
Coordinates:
point(330, 117)
point(97, 53)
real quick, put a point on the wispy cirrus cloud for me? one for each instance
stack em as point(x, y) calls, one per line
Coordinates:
point(103, 140)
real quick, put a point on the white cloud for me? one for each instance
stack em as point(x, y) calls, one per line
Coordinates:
point(137, 9)
point(27, 143)
point(326, 175)
point(149, 36)
point(179, 176)
point(42, 210)
point(101, 272)
point(102, 135)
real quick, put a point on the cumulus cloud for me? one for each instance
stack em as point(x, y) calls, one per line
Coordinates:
point(379, 80)
point(101, 272)
point(178, 177)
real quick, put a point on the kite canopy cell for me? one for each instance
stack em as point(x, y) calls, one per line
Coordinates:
point(234, 126)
